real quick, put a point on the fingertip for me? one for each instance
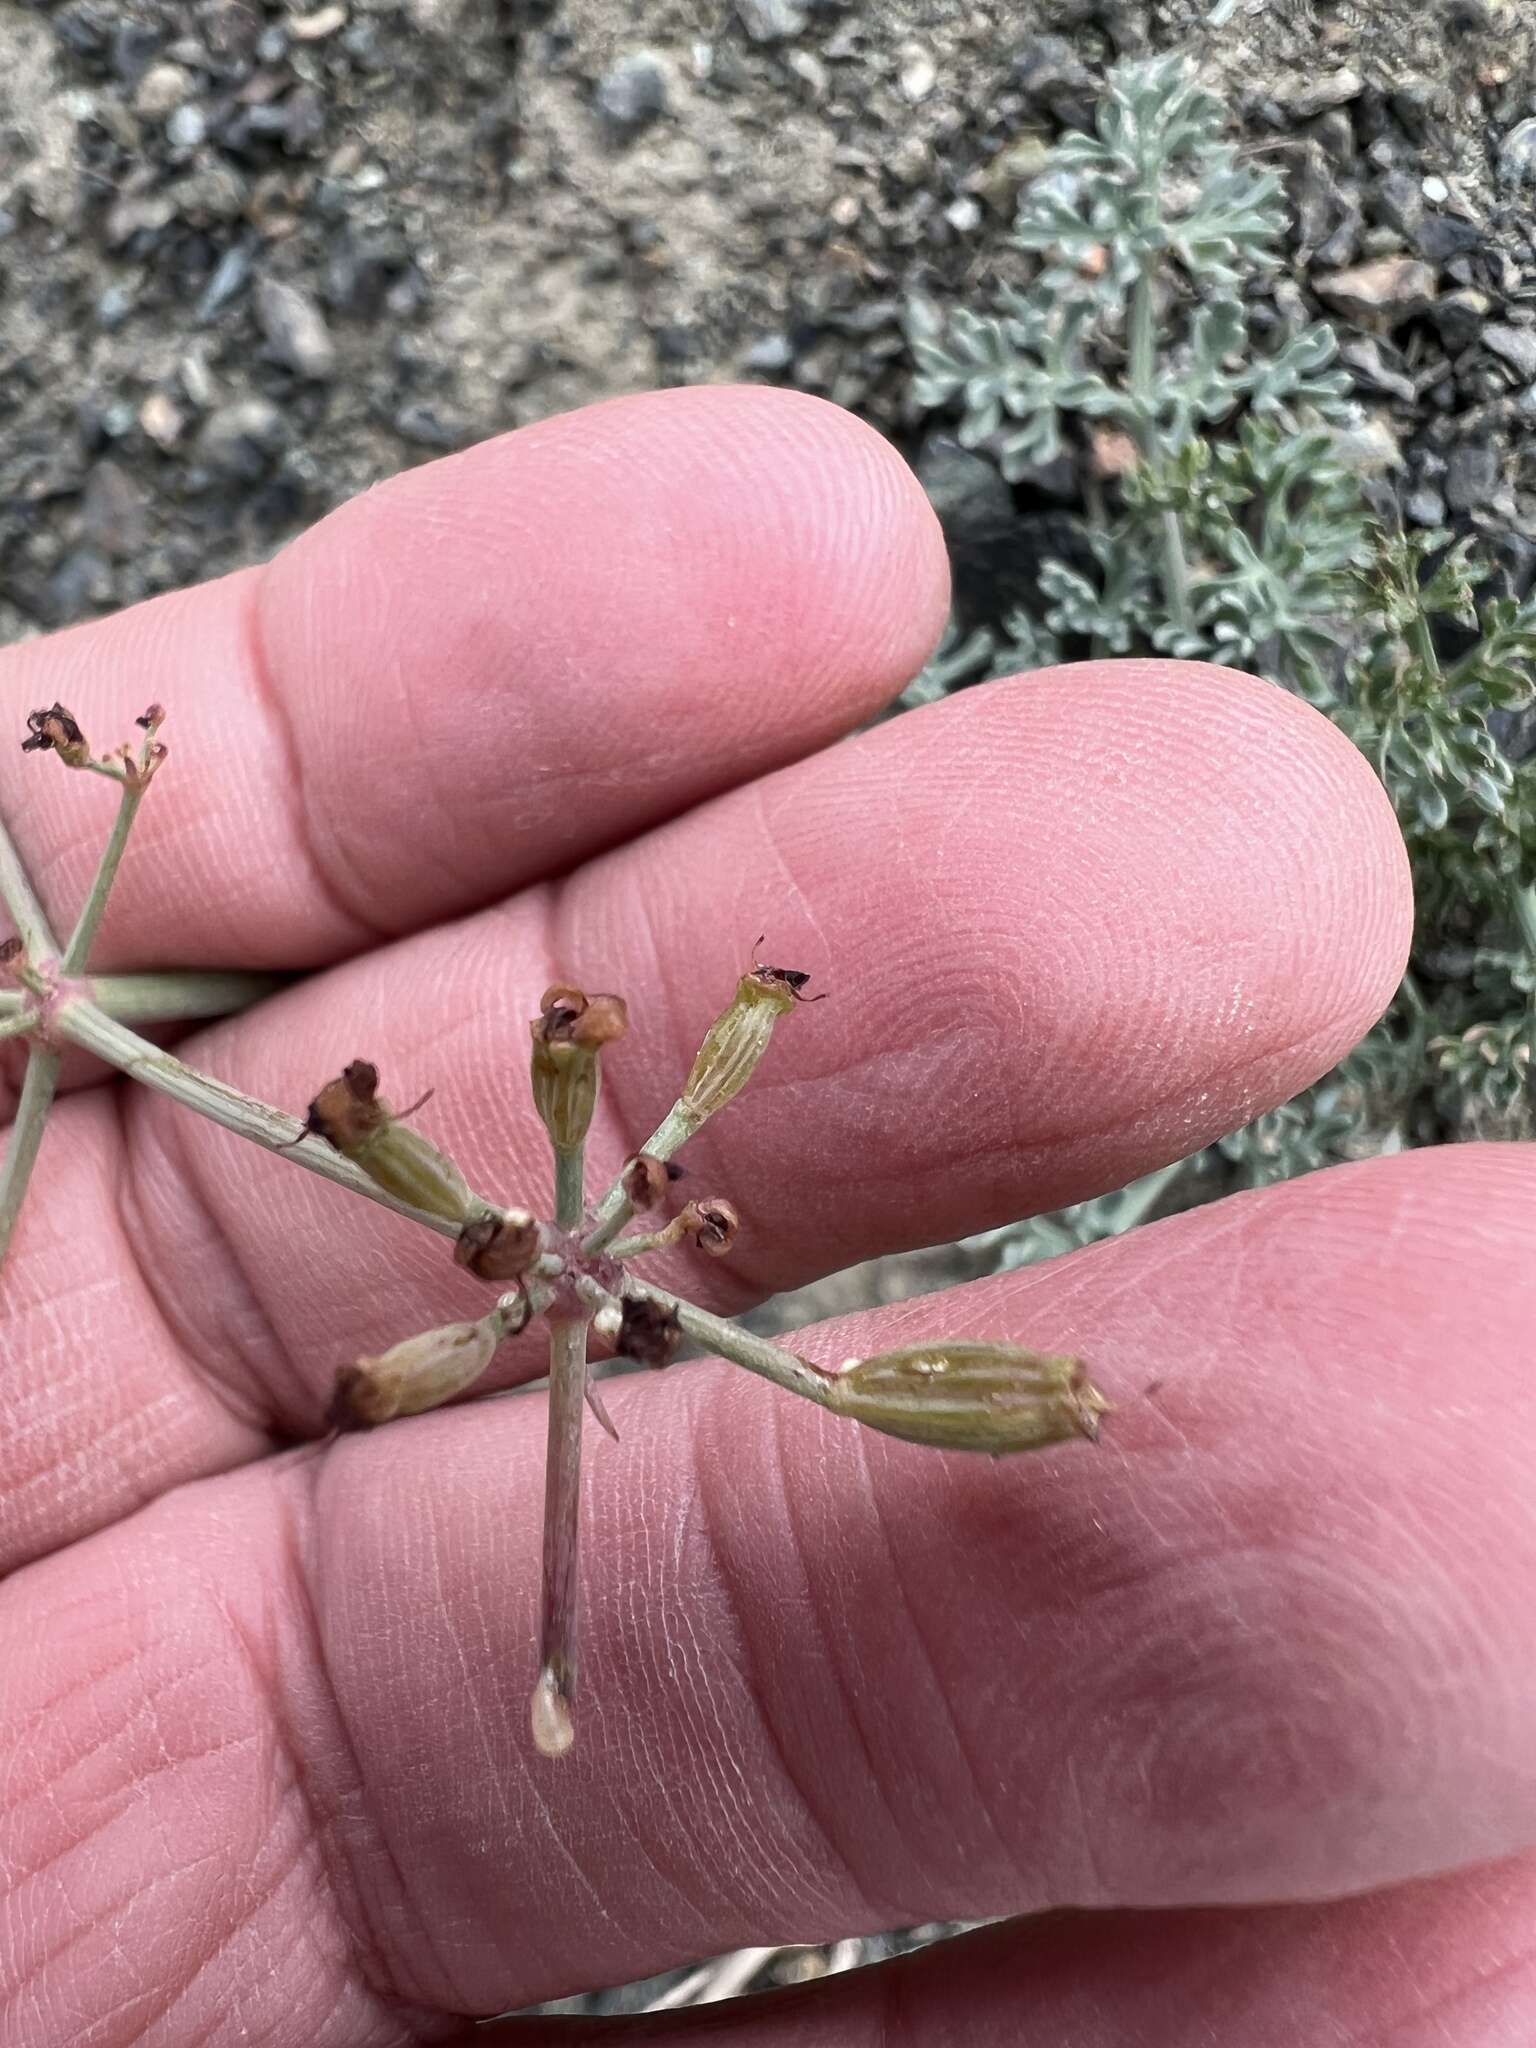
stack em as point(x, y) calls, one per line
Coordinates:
point(658, 595)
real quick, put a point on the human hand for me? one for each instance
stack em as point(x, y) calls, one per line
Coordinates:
point(550, 710)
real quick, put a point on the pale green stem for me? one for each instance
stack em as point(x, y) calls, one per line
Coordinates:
point(1523, 903)
point(15, 1022)
point(37, 1088)
point(165, 998)
point(273, 1129)
point(615, 1209)
point(78, 951)
point(769, 1361)
point(553, 1731)
point(570, 1188)
point(636, 1247)
point(1142, 373)
point(26, 911)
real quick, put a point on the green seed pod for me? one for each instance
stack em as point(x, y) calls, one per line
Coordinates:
point(735, 1042)
point(421, 1373)
point(569, 1032)
point(970, 1397)
point(350, 1114)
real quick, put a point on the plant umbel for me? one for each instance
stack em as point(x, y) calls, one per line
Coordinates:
point(573, 1271)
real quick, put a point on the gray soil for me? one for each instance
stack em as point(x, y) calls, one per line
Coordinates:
point(252, 259)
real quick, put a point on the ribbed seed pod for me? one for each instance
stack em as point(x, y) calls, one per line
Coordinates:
point(569, 1032)
point(735, 1042)
point(971, 1397)
point(418, 1374)
point(350, 1114)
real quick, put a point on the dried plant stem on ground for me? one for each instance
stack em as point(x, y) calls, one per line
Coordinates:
point(573, 1271)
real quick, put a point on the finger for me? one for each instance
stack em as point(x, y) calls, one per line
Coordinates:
point(482, 671)
point(1126, 965)
point(1188, 900)
point(1423, 1965)
point(1275, 1639)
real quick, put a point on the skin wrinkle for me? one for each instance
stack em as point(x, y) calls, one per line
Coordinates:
point(838, 1865)
point(270, 698)
point(135, 1234)
point(895, 1578)
point(349, 1895)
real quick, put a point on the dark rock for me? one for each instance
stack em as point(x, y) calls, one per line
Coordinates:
point(633, 93)
point(966, 491)
point(1459, 317)
point(429, 428)
point(1412, 101)
point(1515, 346)
point(1471, 476)
point(1514, 557)
point(295, 329)
point(81, 583)
point(1441, 236)
point(134, 48)
point(1377, 367)
point(1343, 245)
point(1052, 75)
point(359, 275)
point(673, 344)
point(230, 276)
point(1399, 201)
point(241, 439)
point(1334, 133)
point(112, 516)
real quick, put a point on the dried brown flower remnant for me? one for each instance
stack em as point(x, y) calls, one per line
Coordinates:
point(350, 1114)
point(645, 1179)
point(648, 1332)
point(567, 1016)
point(152, 719)
point(421, 1373)
point(499, 1248)
point(55, 729)
point(712, 1224)
point(971, 1397)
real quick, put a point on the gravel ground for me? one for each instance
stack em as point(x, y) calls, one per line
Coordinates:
point(253, 260)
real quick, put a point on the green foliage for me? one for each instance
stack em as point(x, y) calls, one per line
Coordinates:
point(1236, 531)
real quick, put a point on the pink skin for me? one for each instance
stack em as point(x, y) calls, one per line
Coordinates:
point(553, 709)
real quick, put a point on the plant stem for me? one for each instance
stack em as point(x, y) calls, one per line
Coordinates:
point(1142, 373)
point(615, 1209)
point(26, 911)
point(553, 1730)
point(769, 1361)
point(273, 1129)
point(16, 1022)
point(1523, 903)
point(165, 998)
point(78, 951)
point(1423, 639)
point(42, 1077)
point(570, 1187)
